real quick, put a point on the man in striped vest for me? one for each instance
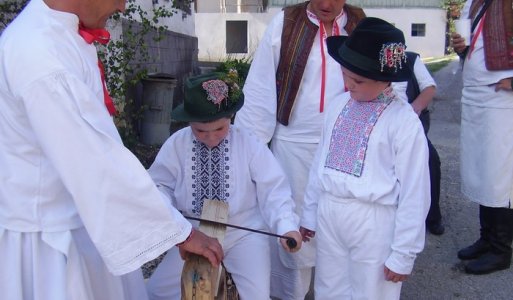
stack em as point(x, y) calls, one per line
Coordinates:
point(290, 83)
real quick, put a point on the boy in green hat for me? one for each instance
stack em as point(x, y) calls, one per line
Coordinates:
point(368, 191)
point(211, 159)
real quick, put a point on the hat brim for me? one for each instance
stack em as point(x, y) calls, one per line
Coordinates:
point(180, 114)
point(351, 61)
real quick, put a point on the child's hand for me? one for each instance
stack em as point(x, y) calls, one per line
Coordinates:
point(296, 236)
point(307, 234)
point(393, 276)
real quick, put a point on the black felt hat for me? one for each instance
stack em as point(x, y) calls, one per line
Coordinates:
point(375, 49)
point(209, 97)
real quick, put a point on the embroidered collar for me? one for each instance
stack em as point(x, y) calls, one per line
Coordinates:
point(352, 131)
point(386, 95)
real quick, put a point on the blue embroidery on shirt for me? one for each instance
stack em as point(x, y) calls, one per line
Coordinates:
point(209, 173)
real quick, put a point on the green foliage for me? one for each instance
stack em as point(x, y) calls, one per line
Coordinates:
point(240, 65)
point(453, 9)
point(122, 58)
point(446, 4)
point(438, 63)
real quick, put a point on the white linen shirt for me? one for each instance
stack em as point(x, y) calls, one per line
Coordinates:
point(259, 110)
point(475, 72)
point(63, 163)
point(424, 80)
point(252, 182)
point(395, 174)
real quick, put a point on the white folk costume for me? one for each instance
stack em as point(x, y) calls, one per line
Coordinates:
point(424, 80)
point(77, 209)
point(368, 190)
point(486, 160)
point(367, 197)
point(293, 144)
point(486, 133)
point(244, 173)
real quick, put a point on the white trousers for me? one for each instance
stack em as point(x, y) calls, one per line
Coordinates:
point(60, 266)
point(246, 258)
point(291, 273)
point(353, 242)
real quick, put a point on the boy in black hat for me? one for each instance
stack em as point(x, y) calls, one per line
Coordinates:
point(368, 192)
point(211, 159)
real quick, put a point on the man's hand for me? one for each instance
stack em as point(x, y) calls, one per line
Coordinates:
point(201, 244)
point(307, 234)
point(296, 236)
point(504, 84)
point(393, 276)
point(458, 43)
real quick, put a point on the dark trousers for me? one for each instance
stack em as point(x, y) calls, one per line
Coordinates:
point(435, 173)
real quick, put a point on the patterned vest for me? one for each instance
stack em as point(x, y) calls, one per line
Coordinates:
point(296, 42)
point(497, 33)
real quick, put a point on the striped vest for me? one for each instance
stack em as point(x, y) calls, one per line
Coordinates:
point(297, 39)
point(497, 33)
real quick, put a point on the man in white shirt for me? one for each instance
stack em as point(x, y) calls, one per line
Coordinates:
point(291, 80)
point(73, 199)
point(486, 127)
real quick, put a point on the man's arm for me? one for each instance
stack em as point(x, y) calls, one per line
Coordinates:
point(259, 111)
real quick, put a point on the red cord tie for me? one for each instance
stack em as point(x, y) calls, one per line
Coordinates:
point(323, 36)
point(101, 36)
point(475, 36)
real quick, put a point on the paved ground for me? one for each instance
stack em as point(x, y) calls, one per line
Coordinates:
point(438, 273)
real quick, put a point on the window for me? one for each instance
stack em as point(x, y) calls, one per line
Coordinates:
point(418, 29)
point(236, 36)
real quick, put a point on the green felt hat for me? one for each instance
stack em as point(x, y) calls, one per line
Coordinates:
point(210, 97)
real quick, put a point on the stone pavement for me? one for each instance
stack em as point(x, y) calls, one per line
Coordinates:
point(438, 273)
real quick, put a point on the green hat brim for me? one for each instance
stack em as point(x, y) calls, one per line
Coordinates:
point(181, 114)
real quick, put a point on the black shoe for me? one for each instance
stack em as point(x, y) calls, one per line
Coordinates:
point(475, 250)
point(436, 228)
point(488, 263)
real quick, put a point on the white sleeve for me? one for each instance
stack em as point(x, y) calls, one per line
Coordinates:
point(259, 111)
point(165, 169)
point(273, 191)
point(118, 203)
point(412, 171)
point(422, 74)
point(312, 193)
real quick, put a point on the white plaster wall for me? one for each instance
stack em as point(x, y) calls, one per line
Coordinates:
point(211, 30)
point(176, 23)
point(431, 45)
point(211, 33)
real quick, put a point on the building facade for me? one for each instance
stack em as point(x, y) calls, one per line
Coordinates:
point(233, 28)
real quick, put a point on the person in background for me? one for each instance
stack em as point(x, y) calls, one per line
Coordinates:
point(79, 214)
point(419, 91)
point(211, 159)
point(486, 131)
point(368, 192)
point(291, 80)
